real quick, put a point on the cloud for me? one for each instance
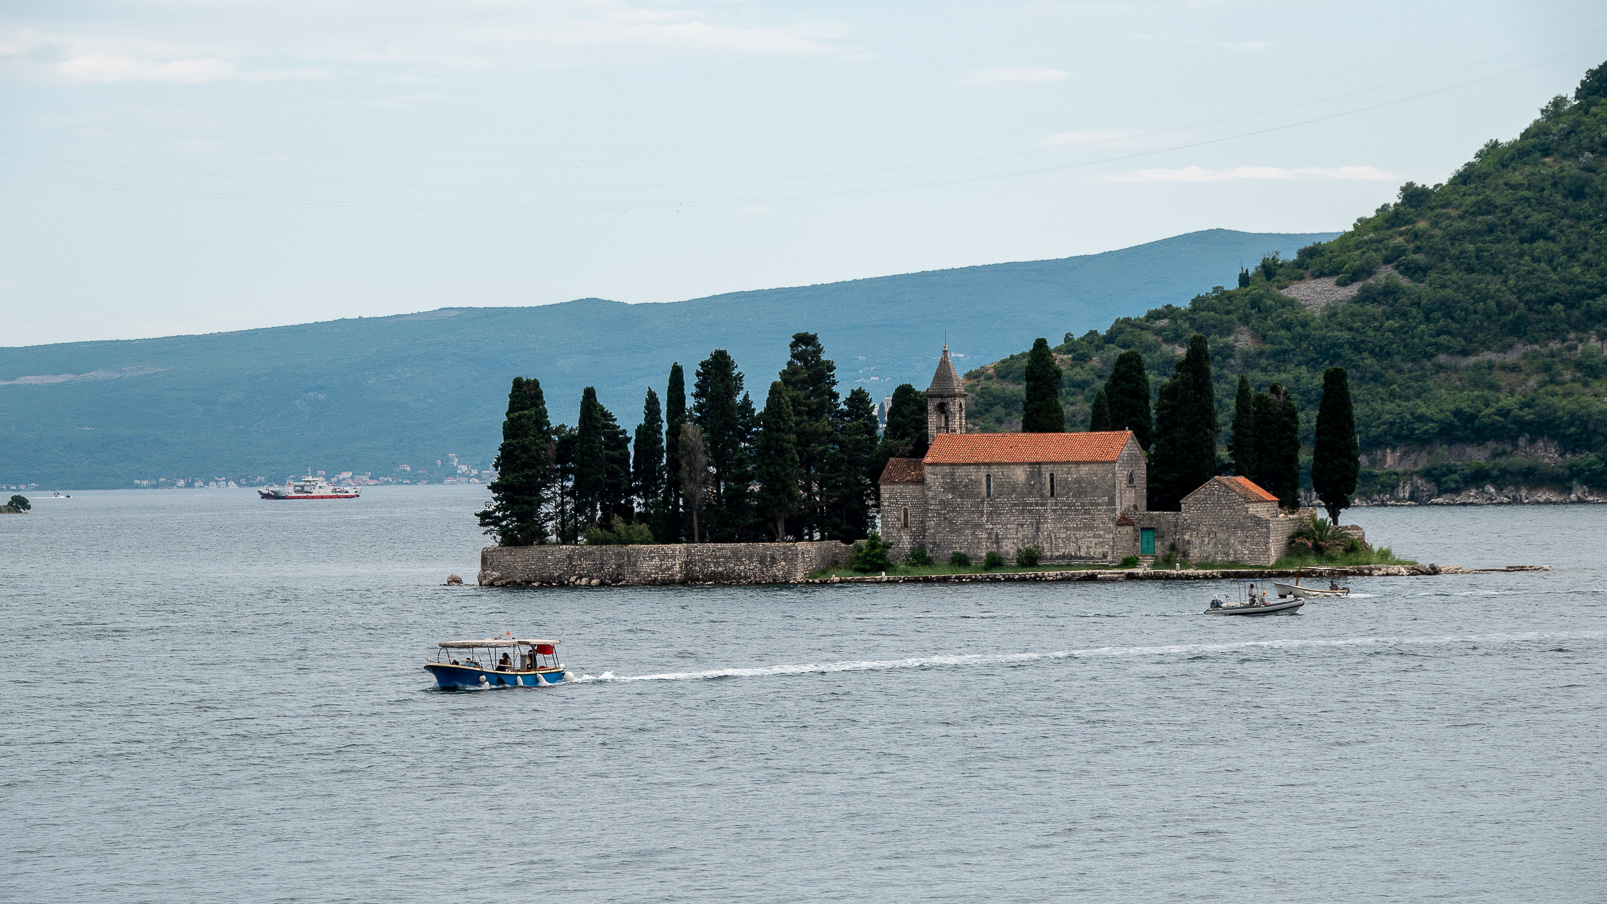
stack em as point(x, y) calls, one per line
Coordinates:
point(196, 41)
point(1080, 137)
point(1013, 75)
point(1231, 174)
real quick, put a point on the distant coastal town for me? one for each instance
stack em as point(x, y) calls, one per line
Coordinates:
point(448, 469)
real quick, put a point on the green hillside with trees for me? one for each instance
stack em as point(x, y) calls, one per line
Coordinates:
point(1470, 317)
point(370, 394)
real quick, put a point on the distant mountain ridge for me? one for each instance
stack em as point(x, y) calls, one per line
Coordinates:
point(369, 394)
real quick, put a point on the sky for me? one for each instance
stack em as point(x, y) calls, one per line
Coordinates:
point(177, 166)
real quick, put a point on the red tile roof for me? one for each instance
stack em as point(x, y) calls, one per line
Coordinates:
point(1244, 487)
point(903, 470)
point(1026, 448)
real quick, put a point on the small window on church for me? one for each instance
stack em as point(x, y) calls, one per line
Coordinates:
point(1130, 481)
point(906, 519)
point(989, 481)
point(1051, 486)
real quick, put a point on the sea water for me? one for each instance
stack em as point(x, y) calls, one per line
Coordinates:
point(215, 698)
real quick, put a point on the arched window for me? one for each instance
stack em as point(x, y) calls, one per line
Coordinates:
point(1130, 481)
point(905, 519)
point(989, 480)
point(1051, 486)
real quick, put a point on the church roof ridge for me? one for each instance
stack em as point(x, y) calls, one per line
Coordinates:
point(1026, 448)
point(946, 381)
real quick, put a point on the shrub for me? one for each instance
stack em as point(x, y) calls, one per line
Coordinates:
point(1029, 557)
point(959, 559)
point(1315, 536)
point(992, 560)
point(20, 502)
point(918, 558)
point(1129, 562)
point(870, 554)
point(618, 533)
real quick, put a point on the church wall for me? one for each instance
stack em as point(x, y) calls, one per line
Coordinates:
point(896, 498)
point(1132, 484)
point(1077, 524)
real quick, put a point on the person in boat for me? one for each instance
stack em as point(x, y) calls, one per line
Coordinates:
point(1332, 585)
point(505, 664)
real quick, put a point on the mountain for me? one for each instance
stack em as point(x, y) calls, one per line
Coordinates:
point(1471, 316)
point(372, 393)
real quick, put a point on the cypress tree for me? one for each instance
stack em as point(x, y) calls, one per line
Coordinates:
point(647, 463)
point(517, 515)
point(1099, 413)
point(1185, 435)
point(1335, 452)
point(812, 379)
point(590, 466)
point(694, 475)
point(1242, 446)
point(849, 493)
point(777, 455)
point(672, 523)
point(614, 500)
point(1278, 445)
point(566, 516)
point(1042, 411)
point(1127, 394)
point(716, 410)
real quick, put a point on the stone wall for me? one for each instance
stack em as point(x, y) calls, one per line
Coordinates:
point(980, 508)
point(899, 500)
point(1222, 526)
point(682, 563)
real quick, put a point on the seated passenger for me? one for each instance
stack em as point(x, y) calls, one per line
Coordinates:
point(505, 664)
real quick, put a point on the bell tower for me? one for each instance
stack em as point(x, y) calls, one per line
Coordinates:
point(945, 400)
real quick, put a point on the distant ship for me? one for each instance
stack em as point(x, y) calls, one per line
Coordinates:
point(308, 487)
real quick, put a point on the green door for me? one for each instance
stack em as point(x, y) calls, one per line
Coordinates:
point(1146, 541)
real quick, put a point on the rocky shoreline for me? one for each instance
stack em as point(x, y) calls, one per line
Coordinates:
point(1140, 574)
point(1416, 491)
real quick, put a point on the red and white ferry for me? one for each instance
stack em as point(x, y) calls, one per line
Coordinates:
point(308, 487)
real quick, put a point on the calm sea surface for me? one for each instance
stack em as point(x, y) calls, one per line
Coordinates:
point(214, 698)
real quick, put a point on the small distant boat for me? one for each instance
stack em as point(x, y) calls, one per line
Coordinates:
point(498, 662)
point(1244, 600)
point(1301, 591)
point(60, 495)
point(309, 487)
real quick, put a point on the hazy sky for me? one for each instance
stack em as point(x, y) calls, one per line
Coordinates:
point(178, 166)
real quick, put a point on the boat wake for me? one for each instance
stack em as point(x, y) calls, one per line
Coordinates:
point(1190, 649)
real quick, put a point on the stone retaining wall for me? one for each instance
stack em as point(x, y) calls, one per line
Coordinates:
point(681, 563)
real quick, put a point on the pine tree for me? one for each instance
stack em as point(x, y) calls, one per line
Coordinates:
point(615, 499)
point(777, 466)
point(1127, 394)
point(694, 475)
point(1099, 413)
point(849, 489)
point(1242, 446)
point(520, 495)
point(1335, 452)
point(1185, 435)
point(812, 379)
point(1042, 411)
point(566, 515)
point(590, 467)
point(717, 411)
point(672, 520)
point(647, 463)
point(1278, 445)
point(906, 424)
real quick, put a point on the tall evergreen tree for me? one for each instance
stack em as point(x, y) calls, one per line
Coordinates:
point(566, 513)
point(672, 520)
point(1185, 435)
point(906, 424)
point(1278, 445)
point(849, 490)
point(647, 463)
point(717, 411)
point(517, 515)
point(591, 469)
point(1242, 446)
point(1099, 413)
point(1335, 452)
point(812, 379)
point(1042, 411)
point(777, 461)
point(615, 498)
point(694, 475)
point(1127, 394)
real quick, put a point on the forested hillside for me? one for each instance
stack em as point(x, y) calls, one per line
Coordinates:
point(372, 394)
point(1471, 316)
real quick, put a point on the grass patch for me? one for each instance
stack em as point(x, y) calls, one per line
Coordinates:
point(1380, 556)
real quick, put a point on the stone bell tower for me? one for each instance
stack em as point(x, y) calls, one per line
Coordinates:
point(945, 400)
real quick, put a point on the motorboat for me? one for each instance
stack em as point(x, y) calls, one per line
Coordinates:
point(504, 661)
point(1244, 599)
point(1301, 591)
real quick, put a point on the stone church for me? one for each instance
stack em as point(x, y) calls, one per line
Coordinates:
point(1079, 497)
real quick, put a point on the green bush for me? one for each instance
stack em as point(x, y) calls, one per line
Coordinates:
point(20, 502)
point(918, 558)
point(1129, 562)
point(959, 559)
point(618, 533)
point(870, 554)
point(992, 560)
point(1029, 557)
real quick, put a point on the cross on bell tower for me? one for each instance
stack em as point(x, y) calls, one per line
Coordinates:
point(945, 400)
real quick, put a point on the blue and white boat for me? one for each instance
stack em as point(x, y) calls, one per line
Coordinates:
point(497, 662)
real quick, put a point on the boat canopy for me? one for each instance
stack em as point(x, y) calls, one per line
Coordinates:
point(496, 642)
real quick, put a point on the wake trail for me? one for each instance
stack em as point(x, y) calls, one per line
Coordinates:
point(922, 662)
